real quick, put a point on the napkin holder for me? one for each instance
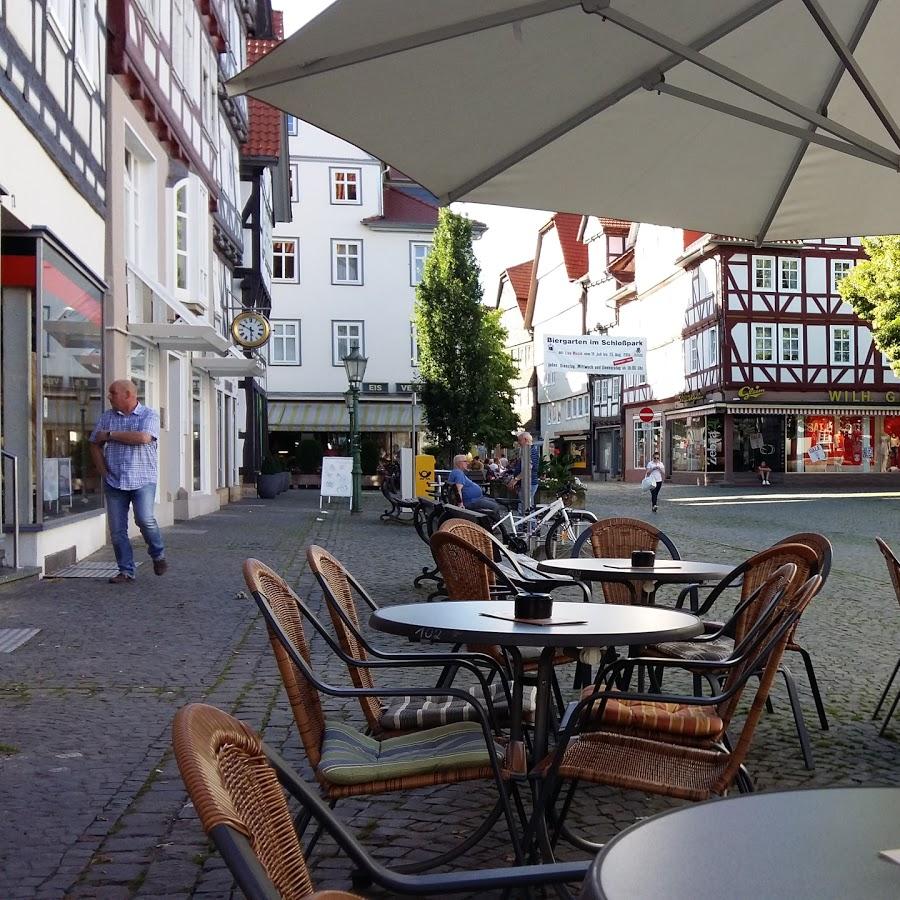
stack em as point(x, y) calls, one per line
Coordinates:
point(643, 559)
point(533, 606)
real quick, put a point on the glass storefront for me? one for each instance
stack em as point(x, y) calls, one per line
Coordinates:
point(52, 320)
point(829, 443)
point(756, 439)
point(647, 441)
point(696, 444)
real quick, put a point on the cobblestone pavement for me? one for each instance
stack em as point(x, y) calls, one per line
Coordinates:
point(92, 802)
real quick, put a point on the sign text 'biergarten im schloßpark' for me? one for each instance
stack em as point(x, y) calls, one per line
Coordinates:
point(596, 354)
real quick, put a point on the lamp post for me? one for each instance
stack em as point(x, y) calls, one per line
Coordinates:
point(83, 396)
point(355, 366)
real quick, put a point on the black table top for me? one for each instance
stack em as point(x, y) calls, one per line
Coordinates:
point(810, 843)
point(670, 571)
point(595, 624)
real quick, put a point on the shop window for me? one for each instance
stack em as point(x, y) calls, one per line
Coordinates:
point(647, 441)
point(763, 343)
point(695, 444)
point(764, 273)
point(756, 439)
point(197, 432)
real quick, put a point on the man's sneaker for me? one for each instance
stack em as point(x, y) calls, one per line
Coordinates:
point(160, 566)
point(121, 578)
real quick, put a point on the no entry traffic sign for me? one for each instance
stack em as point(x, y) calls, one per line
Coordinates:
point(646, 414)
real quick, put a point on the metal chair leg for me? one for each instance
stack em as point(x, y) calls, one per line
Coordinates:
point(799, 721)
point(887, 687)
point(814, 686)
point(889, 715)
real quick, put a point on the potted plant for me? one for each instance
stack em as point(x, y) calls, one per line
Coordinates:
point(555, 473)
point(269, 481)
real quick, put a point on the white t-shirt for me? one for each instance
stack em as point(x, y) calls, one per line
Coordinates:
point(656, 471)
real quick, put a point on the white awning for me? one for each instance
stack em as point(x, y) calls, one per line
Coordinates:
point(298, 415)
point(181, 336)
point(811, 409)
point(693, 411)
point(231, 366)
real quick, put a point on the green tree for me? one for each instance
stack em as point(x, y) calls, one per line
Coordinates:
point(465, 370)
point(872, 288)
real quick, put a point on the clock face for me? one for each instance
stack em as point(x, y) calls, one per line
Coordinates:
point(250, 329)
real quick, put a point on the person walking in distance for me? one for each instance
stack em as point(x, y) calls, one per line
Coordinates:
point(656, 471)
point(124, 449)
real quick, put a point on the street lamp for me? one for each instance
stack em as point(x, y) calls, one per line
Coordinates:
point(83, 396)
point(355, 366)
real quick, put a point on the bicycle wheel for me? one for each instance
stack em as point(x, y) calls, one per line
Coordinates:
point(562, 535)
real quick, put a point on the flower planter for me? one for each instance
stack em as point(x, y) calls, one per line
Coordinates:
point(268, 486)
point(576, 499)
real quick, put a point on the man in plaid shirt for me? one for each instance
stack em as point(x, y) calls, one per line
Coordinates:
point(124, 448)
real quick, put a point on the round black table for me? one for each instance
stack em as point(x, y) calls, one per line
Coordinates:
point(810, 843)
point(581, 625)
point(620, 571)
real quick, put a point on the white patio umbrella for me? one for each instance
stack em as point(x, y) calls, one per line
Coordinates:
point(758, 118)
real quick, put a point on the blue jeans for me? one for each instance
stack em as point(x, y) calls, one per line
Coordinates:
point(117, 503)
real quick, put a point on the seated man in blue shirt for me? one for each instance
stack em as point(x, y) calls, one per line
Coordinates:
point(470, 494)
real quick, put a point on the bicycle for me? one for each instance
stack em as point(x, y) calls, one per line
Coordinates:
point(555, 524)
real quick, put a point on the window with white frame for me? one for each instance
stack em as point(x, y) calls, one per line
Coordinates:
point(841, 349)
point(598, 391)
point(294, 174)
point(86, 37)
point(344, 337)
point(549, 377)
point(285, 262)
point(346, 262)
point(569, 408)
point(413, 344)
point(293, 125)
point(711, 341)
point(694, 351)
point(345, 186)
point(763, 343)
point(764, 273)
point(284, 346)
point(790, 343)
point(182, 232)
point(839, 268)
point(789, 273)
point(60, 15)
point(132, 183)
point(418, 253)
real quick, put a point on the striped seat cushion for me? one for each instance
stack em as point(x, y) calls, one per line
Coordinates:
point(658, 717)
point(713, 651)
point(350, 757)
point(427, 712)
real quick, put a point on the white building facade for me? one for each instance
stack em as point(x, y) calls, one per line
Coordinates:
point(512, 302)
point(344, 274)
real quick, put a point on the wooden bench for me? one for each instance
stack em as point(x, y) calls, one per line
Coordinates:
point(390, 488)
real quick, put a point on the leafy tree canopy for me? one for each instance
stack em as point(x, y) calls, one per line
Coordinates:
point(872, 288)
point(465, 370)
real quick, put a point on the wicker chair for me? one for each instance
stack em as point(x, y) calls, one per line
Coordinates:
point(402, 714)
point(237, 785)
point(348, 763)
point(893, 565)
point(719, 641)
point(663, 767)
point(617, 538)
point(824, 552)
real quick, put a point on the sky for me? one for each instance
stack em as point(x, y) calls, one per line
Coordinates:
point(512, 233)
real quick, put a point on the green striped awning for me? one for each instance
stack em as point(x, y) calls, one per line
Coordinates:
point(299, 415)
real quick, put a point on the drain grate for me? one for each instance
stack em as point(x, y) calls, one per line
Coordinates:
point(13, 638)
point(90, 569)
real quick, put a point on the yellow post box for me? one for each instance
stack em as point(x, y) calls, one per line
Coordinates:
point(424, 474)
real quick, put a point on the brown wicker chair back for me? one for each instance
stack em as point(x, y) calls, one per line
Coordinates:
point(338, 593)
point(757, 570)
point(231, 783)
point(618, 537)
point(303, 697)
point(819, 544)
point(893, 565)
point(794, 603)
point(466, 576)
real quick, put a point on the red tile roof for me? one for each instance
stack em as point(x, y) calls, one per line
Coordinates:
point(400, 207)
point(622, 267)
point(520, 279)
point(264, 138)
point(615, 225)
point(575, 253)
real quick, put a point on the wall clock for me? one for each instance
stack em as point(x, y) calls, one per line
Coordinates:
point(250, 329)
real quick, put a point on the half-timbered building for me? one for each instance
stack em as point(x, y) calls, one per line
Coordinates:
point(53, 209)
point(512, 302)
